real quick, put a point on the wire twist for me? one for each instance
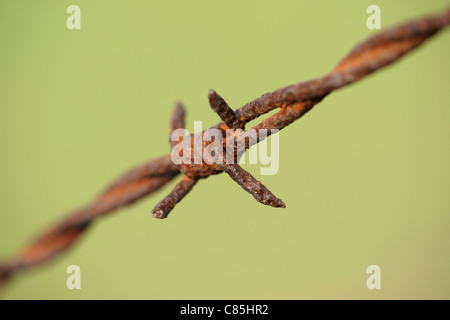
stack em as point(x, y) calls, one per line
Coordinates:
point(294, 101)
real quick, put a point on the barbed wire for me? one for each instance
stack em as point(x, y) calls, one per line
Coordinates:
point(294, 101)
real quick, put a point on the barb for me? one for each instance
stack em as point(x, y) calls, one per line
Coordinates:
point(252, 186)
point(223, 110)
point(294, 101)
point(183, 187)
point(177, 120)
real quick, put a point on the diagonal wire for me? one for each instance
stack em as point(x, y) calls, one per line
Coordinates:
point(294, 101)
point(130, 187)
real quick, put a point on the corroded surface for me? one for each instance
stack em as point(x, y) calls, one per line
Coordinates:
point(294, 101)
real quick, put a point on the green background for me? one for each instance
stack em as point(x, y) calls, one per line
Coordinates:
point(365, 175)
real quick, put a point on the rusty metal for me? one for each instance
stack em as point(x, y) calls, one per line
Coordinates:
point(183, 187)
point(130, 187)
point(252, 186)
point(177, 120)
point(294, 101)
point(225, 113)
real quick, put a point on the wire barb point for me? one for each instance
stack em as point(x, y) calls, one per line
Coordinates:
point(225, 113)
point(162, 209)
point(252, 186)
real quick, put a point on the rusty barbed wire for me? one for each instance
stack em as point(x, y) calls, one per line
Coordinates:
point(294, 101)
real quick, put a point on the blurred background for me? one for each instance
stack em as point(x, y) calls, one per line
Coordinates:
point(365, 175)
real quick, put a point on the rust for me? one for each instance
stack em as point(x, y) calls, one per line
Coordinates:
point(225, 113)
point(252, 186)
point(130, 187)
point(178, 115)
point(183, 187)
point(294, 101)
